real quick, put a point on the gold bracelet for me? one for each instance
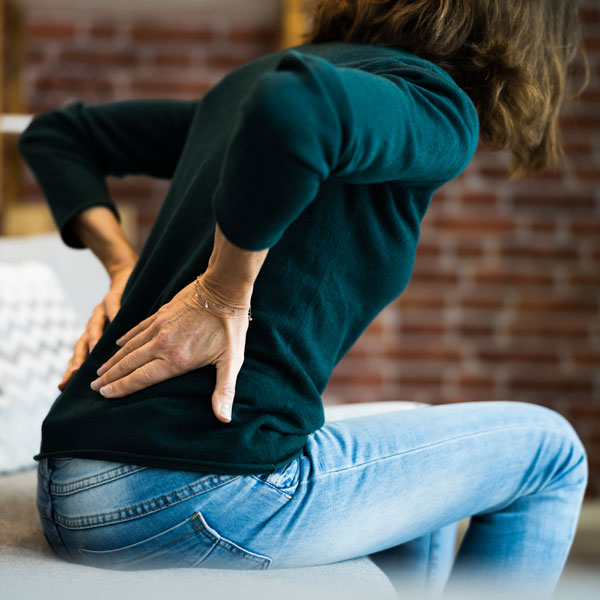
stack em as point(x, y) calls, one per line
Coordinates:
point(207, 301)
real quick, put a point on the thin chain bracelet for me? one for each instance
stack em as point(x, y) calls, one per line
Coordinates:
point(207, 301)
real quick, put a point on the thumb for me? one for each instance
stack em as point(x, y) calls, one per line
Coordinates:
point(222, 398)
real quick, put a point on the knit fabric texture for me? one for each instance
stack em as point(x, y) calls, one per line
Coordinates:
point(328, 154)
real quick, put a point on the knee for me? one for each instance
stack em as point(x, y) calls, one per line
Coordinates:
point(571, 447)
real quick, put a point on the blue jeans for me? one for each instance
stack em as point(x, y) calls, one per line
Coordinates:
point(391, 485)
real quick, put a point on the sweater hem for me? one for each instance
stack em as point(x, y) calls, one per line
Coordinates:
point(178, 464)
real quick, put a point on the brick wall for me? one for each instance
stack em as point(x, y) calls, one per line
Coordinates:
point(504, 300)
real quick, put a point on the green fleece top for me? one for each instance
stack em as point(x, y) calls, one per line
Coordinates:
point(328, 154)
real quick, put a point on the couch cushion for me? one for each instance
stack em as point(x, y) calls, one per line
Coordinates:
point(28, 569)
point(38, 328)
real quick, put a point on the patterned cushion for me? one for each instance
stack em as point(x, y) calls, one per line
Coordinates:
point(38, 328)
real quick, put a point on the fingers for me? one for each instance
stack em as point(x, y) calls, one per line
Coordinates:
point(147, 374)
point(80, 352)
point(134, 343)
point(128, 363)
point(141, 326)
point(222, 398)
point(95, 326)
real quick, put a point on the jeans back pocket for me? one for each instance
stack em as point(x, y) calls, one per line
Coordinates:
point(191, 543)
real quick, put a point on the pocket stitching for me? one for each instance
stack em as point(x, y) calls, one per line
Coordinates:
point(71, 523)
point(64, 489)
point(200, 527)
point(85, 551)
point(231, 546)
point(269, 484)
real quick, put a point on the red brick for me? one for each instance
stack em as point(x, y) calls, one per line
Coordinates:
point(428, 249)
point(408, 379)
point(552, 383)
point(540, 226)
point(35, 56)
point(72, 84)
point(359, 379)
point(579, 122)
point(253, 34)
point(160, 33)
point(435, 326)
point(92, 57)
point(129, 188)
point(224, 62)
point(517, 355)
point(589, 226)
point(512, 277)
point(479, 197)
point(588, 172)
point(49, 30)
point(584, 279)
point(431, 353)
point(571, 325)
point(545, 303)
point(473, 380)
point(567, 201)
point(412, 300)
point(469, 248)
point(547, 174)
point(475, 329)
point(493, 171)
point(172, 60)
point(591, 42)
point(421, 276)
point(574, 147)
point(586, 357)
point(474, 224)
point(103, 30)
point(164, 87)
point(584, 410)
point(589, 14)
point(482, 303)
point(527, 251)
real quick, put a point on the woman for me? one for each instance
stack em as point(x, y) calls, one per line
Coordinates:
point(186, 436)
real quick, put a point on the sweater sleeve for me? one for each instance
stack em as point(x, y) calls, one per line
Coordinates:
point(309, 119)
point(70, 150)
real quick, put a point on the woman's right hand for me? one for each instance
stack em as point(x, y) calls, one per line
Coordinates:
point(107, 309)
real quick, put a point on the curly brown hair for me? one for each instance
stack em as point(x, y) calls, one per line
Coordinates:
point(511, 57)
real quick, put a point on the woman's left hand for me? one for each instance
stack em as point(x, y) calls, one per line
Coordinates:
point(181, 336)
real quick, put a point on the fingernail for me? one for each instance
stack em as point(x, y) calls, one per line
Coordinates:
point(225, 411)
point(101, 370)
point(119, 341)
point(107, 389)
point(95, 384)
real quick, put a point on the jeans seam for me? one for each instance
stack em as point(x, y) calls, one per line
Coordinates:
point(69, 523)
point(67, 489)
point(458, 437)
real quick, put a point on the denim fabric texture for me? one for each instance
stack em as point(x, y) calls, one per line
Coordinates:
point(391, 485)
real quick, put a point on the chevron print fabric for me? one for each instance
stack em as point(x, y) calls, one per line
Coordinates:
point(38, 328)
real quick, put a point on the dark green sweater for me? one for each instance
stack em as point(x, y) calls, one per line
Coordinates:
point(328, 154)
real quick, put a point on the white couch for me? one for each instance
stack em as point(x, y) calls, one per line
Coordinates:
point(28, 568)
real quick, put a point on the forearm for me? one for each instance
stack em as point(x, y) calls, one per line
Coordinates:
point(231, 271)
point(98, 228)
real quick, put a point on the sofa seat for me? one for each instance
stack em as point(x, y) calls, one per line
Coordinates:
point(29, 569)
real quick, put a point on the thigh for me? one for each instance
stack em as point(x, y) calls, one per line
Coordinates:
point(373, 482)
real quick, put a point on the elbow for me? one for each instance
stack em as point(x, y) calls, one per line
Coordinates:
point(31, 136)
point(291, 121)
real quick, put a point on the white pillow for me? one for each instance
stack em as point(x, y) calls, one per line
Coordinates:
point(38, 328)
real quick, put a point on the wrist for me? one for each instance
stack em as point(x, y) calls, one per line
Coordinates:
point(233, 270)
point(124, 262)
point(215, 289)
